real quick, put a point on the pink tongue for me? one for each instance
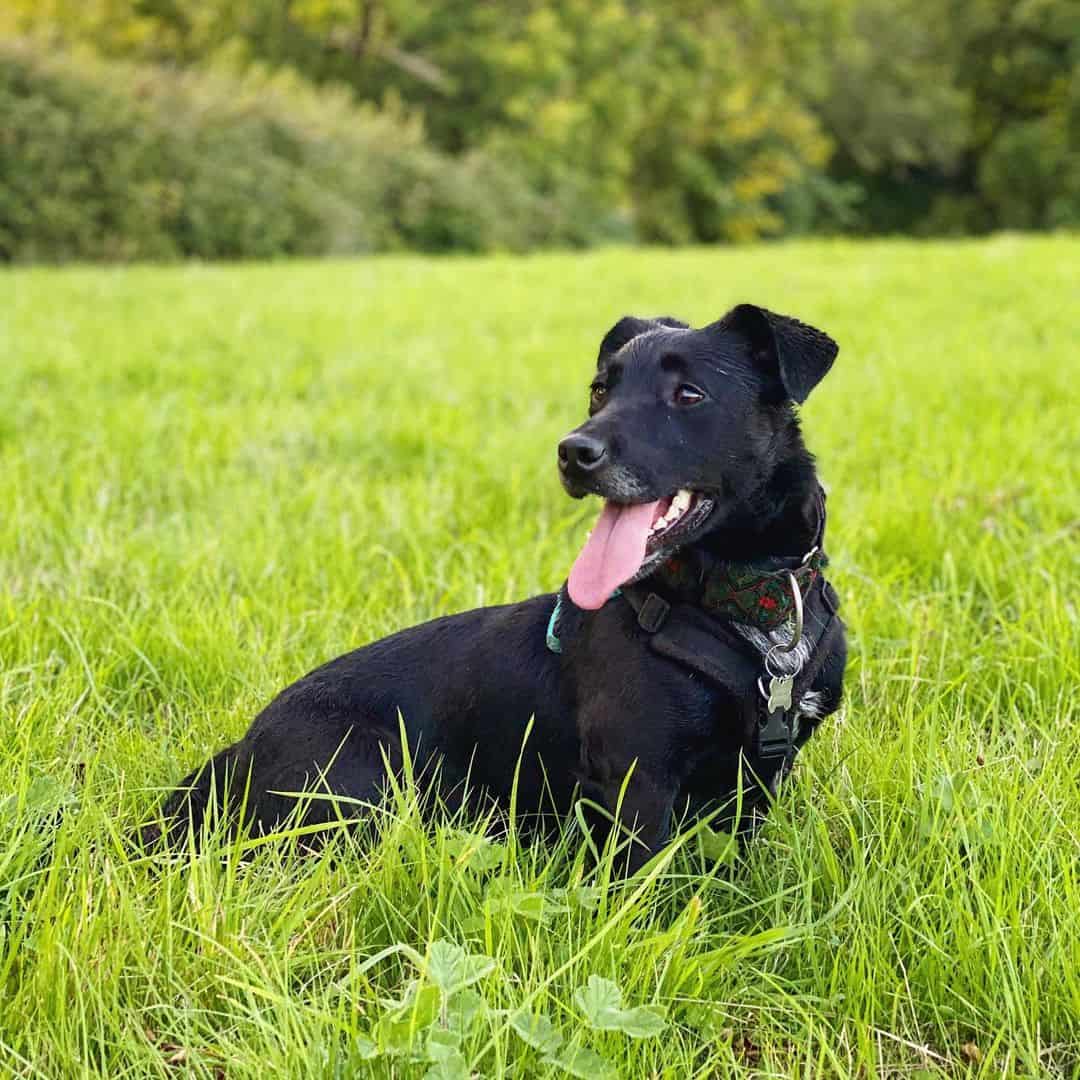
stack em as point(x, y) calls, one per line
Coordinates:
point(612, 554)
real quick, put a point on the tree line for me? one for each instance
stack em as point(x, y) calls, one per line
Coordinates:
point(483, 124)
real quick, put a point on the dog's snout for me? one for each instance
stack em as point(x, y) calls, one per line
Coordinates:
point(581, 452)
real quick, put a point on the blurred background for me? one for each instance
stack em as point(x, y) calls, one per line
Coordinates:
point(158, 129)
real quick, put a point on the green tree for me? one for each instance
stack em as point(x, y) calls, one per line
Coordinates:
point(676, 120)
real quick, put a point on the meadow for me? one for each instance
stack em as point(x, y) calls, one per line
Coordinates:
point(213, 478)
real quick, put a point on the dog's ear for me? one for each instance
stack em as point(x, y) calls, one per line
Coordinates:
point(628, 328)
point(797, 354)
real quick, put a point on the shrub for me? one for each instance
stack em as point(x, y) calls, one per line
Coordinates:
point(106, 160)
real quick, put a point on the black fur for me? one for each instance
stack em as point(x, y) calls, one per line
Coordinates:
point(467, 685)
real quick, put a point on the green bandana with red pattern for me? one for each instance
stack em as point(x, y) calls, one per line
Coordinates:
point(744, 593)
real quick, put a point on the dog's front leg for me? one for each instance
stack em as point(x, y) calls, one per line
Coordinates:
point(639, 802)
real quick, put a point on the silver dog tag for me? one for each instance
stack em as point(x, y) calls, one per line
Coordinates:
point(780, 692)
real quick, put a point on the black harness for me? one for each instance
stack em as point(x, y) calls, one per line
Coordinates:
point(690, 619)
point(709, 646)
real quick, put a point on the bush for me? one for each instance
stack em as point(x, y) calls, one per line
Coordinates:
point(1030, 177)
point(103, 160)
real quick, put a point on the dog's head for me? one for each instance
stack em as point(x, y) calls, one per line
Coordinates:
point(682, 423)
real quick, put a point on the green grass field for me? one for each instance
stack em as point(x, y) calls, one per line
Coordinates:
point(214, 478)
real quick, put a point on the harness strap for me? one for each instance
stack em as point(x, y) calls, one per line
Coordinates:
point(778, 736)
point(684, 633)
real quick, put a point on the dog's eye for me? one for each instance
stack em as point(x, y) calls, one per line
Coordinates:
point(597, 394)
point(688, 395)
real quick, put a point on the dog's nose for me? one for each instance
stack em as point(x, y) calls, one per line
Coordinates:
point(581, 452)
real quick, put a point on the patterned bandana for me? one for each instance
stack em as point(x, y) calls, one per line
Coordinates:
point(741, 592)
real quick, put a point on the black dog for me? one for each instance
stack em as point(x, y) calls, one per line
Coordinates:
point(692, 652)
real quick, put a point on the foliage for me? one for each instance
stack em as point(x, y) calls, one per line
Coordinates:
point(216, 477)
point(116, 161)
point(549, 122)
point(949, 116)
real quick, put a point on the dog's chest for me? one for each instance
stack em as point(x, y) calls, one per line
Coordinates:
point(627, 695)
point(785, 663)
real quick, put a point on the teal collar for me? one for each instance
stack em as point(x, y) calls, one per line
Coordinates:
point(553, 643)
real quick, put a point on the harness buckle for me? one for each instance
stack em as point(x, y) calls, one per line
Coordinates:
point(775, 735)
point(653, 613)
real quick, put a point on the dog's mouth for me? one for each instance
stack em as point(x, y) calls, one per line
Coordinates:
point(629, 539)
point(677, 516)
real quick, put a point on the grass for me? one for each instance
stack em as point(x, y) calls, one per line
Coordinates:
point(214, 478)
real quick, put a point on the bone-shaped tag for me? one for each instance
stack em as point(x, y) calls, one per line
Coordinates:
point(780, 692)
